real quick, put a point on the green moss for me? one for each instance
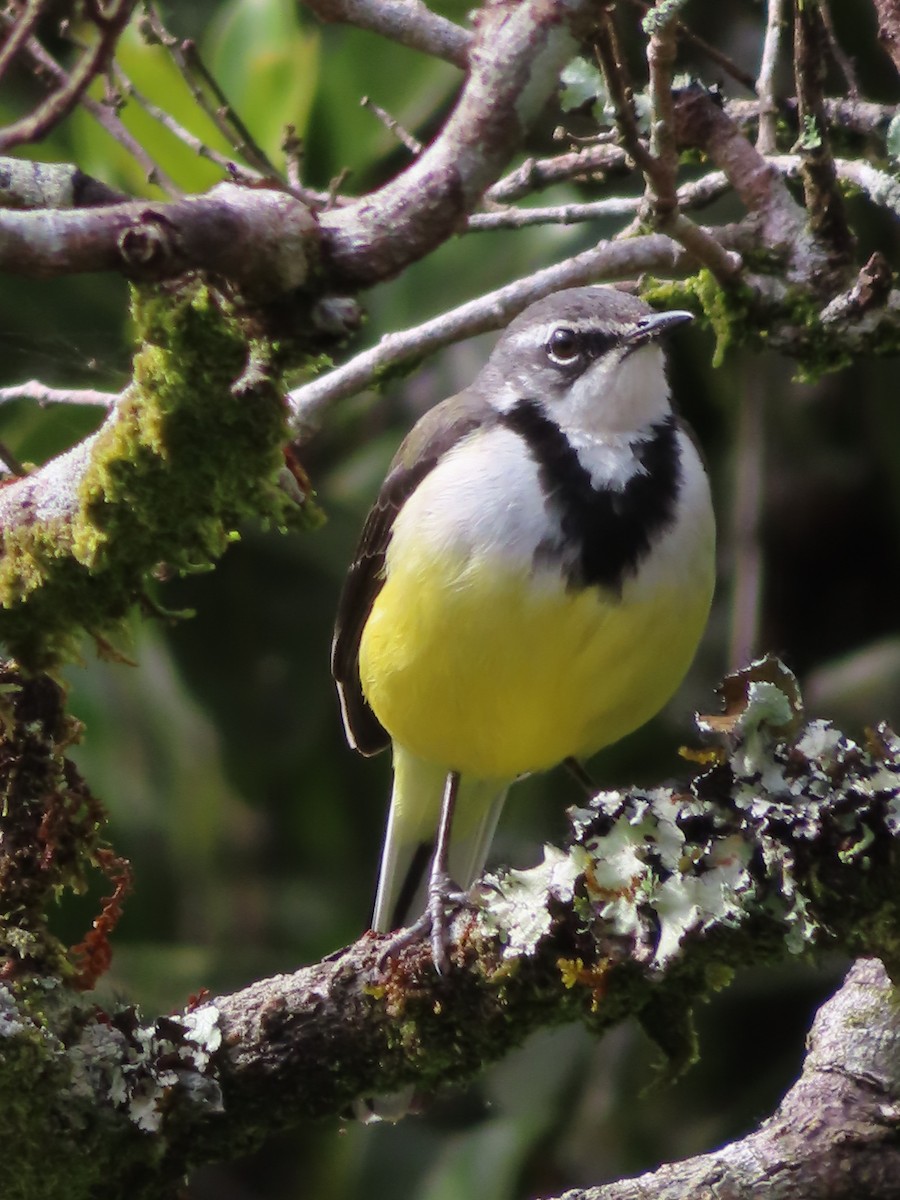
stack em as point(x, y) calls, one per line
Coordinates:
point(737, 317)
point(193, 449)
point(726, 312)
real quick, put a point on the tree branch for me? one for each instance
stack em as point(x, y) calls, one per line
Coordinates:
point(833, 1137)
point(824, 203)
point(888, 12)
point(513, 69)
point(789, 844)
point(406, 22)
point(262, 239)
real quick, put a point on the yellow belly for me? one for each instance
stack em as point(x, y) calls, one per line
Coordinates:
point(500, 676)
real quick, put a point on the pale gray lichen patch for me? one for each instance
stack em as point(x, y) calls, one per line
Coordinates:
point(173, 1055)
point(115, 1061)
point(780, 830)
point(514, 904)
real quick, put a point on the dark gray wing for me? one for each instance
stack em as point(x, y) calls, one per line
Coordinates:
point(439, 430)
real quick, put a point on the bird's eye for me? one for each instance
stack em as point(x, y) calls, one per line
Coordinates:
point(563, 347)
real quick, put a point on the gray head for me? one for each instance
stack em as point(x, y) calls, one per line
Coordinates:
point(591, 356)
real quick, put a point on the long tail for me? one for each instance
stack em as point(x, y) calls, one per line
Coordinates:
point(411, 830)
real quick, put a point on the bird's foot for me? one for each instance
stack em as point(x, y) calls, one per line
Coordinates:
point(434, 923)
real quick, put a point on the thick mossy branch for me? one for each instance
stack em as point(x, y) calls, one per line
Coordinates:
point(193, 449)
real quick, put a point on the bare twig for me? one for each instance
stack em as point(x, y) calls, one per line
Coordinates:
point(692, 195)
point(412, 144)
point(621, 96)
point(662, 177)
point(824, 203)
point(49, 72)
point(21, 26)
point(92, 63)
point(537, 173)
point(661, 50)
point(659, 162)
point(766, 142)
point(187, 59)
point(713, 53)
point(838, 53)
point(860, 117)
point(202, 149)
point(44, 396)
point(406, 22)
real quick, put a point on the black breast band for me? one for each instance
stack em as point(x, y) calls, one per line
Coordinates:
point(610, 529)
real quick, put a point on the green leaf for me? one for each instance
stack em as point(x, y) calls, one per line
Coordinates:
point(810, 137)
point(582, 84)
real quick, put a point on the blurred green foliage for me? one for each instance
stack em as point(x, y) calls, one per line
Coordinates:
point(254, 832)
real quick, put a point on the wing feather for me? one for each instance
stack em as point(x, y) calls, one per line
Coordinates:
point(436, 433)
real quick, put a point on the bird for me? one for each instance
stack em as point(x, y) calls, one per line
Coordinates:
point(531, 585)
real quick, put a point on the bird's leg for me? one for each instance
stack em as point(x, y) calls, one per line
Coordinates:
point(441, 891)
point(439, 883)
point(581, 777)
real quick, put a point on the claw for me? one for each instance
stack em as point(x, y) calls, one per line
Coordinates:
point(434, 923)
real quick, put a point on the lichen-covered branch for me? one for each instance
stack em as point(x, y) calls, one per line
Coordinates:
point(787, 845)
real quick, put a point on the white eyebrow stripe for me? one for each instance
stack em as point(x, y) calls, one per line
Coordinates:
point(539, 335)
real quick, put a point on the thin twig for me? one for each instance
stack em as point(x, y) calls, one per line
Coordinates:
point(21, 27)
point(403, 136)
point(48, 114)
point(662, 177)
point(187, 59)
point(537, 173)
point(48, 71)
point(618, 85)
point(661, 51)
point(842, 59)
point(766, 142)
point(191, 141)
point(824, 203)
point(691, 195)
point(706, 48)
point(44, 396)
